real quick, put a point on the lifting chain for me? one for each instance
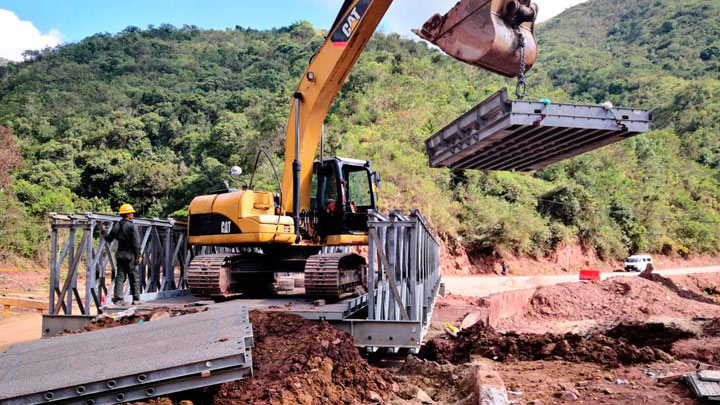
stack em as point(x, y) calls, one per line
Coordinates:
point(521, 88)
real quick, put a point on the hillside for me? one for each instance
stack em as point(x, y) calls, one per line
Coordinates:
point(4, 61)
point(157, 116)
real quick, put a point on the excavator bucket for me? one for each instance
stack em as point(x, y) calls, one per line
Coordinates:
point(487, 33)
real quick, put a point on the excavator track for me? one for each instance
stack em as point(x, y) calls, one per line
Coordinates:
point(211, 275)
point(333, 275)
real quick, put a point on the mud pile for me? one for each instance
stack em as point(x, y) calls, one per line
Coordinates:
point(630, 299)
point(704, 349)
point(712, 328)
point(297, 361)
point(486, 342)
point(706, 285)
point(443, 383)
point(107, 322)
point(657, 335)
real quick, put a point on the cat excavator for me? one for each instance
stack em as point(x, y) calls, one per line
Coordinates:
point(325, 203)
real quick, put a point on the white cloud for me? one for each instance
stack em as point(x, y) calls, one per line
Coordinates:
point(405, 15)
point(17, 36)
point(551, 8)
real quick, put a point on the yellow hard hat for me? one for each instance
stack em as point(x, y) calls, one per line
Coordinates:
point(126, 209)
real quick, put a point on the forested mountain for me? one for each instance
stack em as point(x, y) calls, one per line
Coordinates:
point(156, 116)
point(4, 61)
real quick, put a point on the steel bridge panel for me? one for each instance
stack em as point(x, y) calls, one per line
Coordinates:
point(94, 363)
point(502, 134)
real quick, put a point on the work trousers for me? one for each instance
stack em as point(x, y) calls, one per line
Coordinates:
point(126, 269)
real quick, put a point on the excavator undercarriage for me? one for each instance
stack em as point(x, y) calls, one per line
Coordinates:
point(327, 275)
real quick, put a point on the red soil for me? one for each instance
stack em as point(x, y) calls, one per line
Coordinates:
point(626, 299)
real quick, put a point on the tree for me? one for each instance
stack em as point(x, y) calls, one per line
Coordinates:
point(10, 157)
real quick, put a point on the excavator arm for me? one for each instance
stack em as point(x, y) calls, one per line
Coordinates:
point(485, 33)
point(321, 82)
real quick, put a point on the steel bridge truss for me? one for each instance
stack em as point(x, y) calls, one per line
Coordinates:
point(403, 282)
point(77, 238)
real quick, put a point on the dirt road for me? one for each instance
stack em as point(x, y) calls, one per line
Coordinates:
point(20, 328)
point(482, 286)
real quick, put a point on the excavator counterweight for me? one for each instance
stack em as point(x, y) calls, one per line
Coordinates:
point(487, 34)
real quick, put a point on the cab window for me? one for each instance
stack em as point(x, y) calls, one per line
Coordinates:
point(358, 187)
point(328, 188)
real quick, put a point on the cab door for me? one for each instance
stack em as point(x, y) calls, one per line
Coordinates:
point(327, 201)
point(359, 198)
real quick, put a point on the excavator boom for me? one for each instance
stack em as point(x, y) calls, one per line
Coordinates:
point(321, 82)
point(484, 33)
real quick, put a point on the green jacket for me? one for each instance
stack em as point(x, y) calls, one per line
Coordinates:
point(128, 237)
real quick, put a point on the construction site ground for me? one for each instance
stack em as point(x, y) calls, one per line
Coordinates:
point(551, 339)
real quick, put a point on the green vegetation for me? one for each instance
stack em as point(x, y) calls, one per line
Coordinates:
point(157, 116)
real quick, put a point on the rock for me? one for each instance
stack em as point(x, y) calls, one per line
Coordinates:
point(374, 397)
point(413, 393)
point(186, 402)
point(662, 356)
point(160, 315)
point(547, 350)
point(489, 387)
point(286, 284)
point(607, 391)
point(326, 368)
point(562, 348)
point(582, 384)
point(670, 378)
point(469, 400)
point(569, 388)
point(569, 396)
point(423, 397)
point(471, 320)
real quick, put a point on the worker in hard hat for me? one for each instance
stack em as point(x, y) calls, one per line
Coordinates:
point(128, 255)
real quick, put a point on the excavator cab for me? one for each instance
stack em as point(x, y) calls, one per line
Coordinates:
point(343, 192)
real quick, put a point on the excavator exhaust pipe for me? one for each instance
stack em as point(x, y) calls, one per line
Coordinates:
point(486, 33)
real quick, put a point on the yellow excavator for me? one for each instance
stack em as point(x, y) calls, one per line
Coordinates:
point(324, 203)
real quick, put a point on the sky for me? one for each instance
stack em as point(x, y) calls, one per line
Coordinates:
point(36, 24)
